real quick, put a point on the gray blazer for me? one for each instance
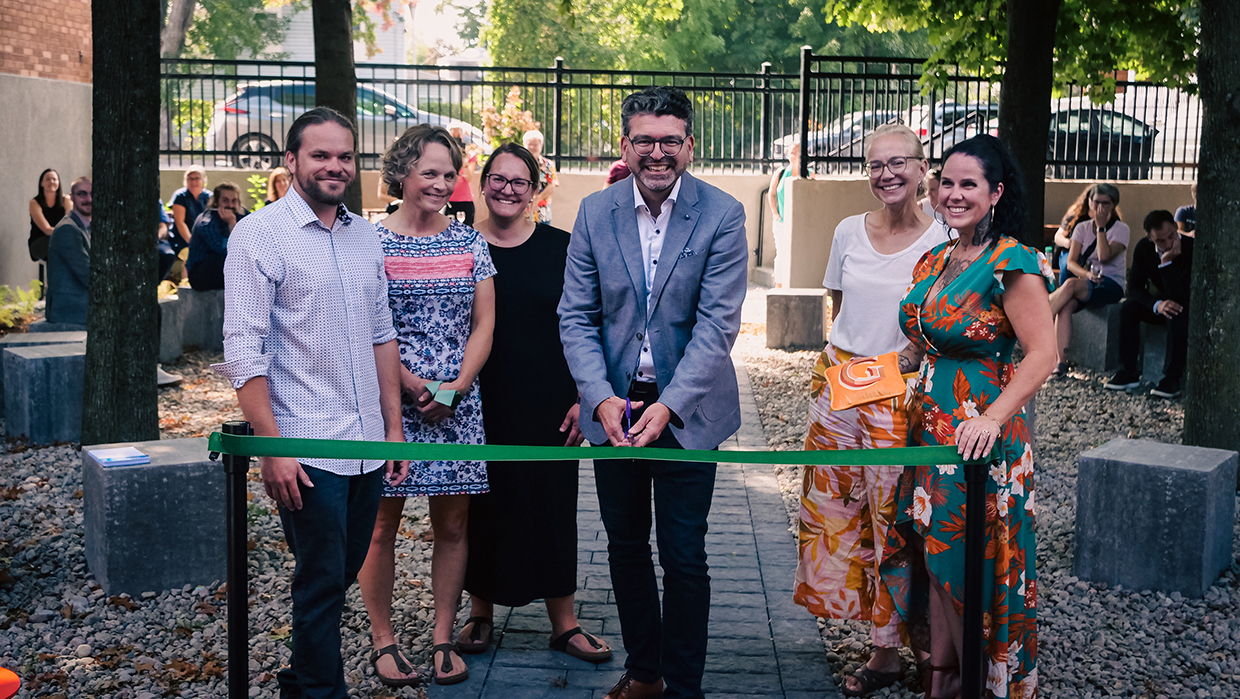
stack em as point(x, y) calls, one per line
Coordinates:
point(68, 272)
point(694, 317)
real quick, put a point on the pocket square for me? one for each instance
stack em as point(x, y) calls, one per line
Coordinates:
point(687, 252)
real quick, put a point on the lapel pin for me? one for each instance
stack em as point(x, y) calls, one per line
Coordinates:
point(686, 217)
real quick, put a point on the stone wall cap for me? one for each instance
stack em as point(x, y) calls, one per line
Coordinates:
point(1149, 453)
point(56, 338)
point(47, 351)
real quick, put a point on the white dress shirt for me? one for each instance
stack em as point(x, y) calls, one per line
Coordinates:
point(305, 305)
point(651, 231)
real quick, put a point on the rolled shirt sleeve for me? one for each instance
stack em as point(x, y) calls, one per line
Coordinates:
point(253, 269)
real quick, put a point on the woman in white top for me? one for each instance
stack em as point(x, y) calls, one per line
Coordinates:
point(1102, 278)
point(846, 510)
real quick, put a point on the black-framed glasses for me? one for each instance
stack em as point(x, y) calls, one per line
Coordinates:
point(669, 145)
point(498, 182)
point(896, 165)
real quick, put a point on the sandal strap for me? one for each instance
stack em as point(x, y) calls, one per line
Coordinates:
point(475, 634)
point(560, 642)
point(392, 652)
point(872, 680)
point(447, 649)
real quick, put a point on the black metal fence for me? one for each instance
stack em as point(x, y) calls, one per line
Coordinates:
point(235, 114)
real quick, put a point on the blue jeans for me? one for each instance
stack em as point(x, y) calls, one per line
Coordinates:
point(329, 536)
point(671, 645)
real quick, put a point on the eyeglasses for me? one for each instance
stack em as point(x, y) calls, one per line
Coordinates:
point(896, 165)
point(645, 146)
point(498, 182)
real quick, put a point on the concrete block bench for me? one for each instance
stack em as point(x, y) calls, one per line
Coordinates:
point(1153, 516)
point(1095, 339)
point(202, 319)
point(156, 526)
point(43, 392)
point(42, 326)
point(171, 328)
point(794, 318)
point(33, 339)
point(1153, 352)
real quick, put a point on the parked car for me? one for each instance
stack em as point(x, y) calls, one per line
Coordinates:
point(253, 122)
point(843, 137)
point(949, 123)
point(1118, 146)
point(1107, 145)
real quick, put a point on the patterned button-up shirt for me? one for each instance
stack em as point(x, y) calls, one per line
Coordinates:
point(305, 306)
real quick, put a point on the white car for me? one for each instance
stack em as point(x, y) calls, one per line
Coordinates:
point(247, 130)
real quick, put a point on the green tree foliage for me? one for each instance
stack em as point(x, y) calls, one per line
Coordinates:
point(230, 29)
point(1093, 38)
point(695, 35)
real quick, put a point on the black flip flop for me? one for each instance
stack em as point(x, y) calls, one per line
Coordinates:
point(402, 667)
point(477, 644)
point(871, 681)
point(446, 665)
point(599, 655)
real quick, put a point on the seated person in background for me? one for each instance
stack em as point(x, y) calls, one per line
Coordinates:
point(209, 245)
point(618, 171)
point(68, 260)
point(1186, 216)
point(1098, 264)
point(167, 256)
point(1077, 212)
point(277, 184)
point(1158, 294)
point(188, 204)
point(931, 185)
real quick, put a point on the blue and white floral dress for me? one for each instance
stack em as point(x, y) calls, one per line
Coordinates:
point(431, 293)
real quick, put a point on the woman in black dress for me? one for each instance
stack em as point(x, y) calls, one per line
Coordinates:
point(46, 210)
point(523, 533)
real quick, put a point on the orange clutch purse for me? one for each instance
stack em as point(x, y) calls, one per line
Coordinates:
point(862, 380)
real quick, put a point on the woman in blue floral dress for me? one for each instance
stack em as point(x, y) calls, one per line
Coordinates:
point(443, 305)
point(971, 300)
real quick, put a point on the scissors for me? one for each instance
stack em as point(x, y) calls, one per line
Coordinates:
point(628, 417)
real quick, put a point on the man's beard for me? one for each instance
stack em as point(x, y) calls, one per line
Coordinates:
point(315, 191)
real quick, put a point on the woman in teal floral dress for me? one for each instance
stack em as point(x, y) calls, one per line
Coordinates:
point(971, 300)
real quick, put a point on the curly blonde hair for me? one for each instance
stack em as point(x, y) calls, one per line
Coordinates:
point(398, 161)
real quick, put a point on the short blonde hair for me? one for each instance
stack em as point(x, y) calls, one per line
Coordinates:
point(903, 132)
point(194, 168)
point(405, 151)
point(531, 135)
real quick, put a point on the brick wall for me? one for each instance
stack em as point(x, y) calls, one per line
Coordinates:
point(46, 39)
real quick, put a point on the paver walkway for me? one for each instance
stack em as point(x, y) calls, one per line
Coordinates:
point(760, 645)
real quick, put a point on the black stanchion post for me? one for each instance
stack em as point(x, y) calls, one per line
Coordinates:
point(972, 664)
point(235, 470)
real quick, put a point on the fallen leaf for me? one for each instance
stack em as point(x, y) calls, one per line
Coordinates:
point(121, 601)
point(251, 545)
point(280, 633)
point(205, 607)
point(77, 494)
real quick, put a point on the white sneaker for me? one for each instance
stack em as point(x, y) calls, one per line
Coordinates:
point(163, 378)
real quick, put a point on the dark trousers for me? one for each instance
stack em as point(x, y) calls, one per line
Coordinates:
point(1132, 315)
point(671, 645)
point(329, 536)
point(208, 274)
point(167, 258)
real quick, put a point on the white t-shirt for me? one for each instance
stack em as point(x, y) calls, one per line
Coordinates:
point(868, 324)
point(1117, 269)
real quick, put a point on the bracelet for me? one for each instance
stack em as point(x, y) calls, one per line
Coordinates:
point(992, 419)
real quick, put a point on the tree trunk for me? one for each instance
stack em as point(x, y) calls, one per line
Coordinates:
point(120, 401)
point(335, 81)
point(1212, 392)
point(178, 17)
point(1025, 111)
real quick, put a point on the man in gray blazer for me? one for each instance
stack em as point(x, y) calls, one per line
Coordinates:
point(651, 306)
point(68, 260)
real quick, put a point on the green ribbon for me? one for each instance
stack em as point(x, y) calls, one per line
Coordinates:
point(249, 445)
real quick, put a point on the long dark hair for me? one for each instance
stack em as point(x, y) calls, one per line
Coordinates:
point(998, 167)
point(60, 195)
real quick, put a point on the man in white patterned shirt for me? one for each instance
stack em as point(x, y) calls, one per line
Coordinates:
point(310, 348)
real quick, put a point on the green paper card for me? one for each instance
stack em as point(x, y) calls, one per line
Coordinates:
point(447, 398)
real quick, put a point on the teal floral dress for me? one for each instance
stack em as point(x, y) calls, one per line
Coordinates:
point(968, 342)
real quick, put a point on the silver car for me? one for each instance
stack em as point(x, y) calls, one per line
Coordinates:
point(251, 124)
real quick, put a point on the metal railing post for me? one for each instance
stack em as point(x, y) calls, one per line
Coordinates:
point(807, 58)
point(557, 140)
point(764, 117)
point(972, 665)
point(235, 470)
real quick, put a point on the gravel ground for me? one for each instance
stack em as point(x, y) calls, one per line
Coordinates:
point(68, 639)
point(1094, 641)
